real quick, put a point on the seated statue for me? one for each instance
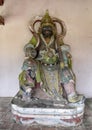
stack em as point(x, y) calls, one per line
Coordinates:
point(47, 70)
point(47, 94)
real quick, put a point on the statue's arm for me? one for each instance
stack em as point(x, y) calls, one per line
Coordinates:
point(66, 55)
point(29, 48)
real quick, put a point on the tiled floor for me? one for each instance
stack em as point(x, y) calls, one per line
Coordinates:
point(6, 122)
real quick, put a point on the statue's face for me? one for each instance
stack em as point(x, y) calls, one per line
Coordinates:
point(47, 31)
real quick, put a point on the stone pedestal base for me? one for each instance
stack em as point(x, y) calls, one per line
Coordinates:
point(46, 112)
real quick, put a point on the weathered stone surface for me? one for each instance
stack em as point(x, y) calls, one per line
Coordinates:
point(18, 127)
point(88, 103)
point(49, 128)
point(47, 112)
point(33, 128)
point(88, 112)
point(5, 125)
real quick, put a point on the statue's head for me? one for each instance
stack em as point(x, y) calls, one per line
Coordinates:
point(47, 26)
point(47, 31)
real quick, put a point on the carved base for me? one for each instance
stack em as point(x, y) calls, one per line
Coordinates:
point(46, 112)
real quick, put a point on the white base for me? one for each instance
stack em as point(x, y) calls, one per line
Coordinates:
point(69, 115)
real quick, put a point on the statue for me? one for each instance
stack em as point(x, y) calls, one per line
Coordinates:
point(48, 59)
point(47, 75)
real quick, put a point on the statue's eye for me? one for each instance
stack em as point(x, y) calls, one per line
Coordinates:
point(49, 28)
point(44, 29)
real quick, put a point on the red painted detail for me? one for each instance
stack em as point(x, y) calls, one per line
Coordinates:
point(23, 118)
point(27, 118)
point(37, 85)
point(76, 120)
point(17, 117)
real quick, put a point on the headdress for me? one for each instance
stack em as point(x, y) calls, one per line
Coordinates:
point(47, 20)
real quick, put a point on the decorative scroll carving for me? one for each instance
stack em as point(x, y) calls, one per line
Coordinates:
point(2, 20)
point(1, 2)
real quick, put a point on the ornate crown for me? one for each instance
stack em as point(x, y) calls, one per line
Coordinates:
point(47, 20)
point(44, 21)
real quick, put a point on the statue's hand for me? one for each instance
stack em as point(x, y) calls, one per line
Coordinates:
point(28, 90)
point(30, 52)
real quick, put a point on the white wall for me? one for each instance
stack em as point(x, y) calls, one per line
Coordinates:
point(77, 15)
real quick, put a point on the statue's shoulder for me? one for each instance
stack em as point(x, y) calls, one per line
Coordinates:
point(31, 44)
point(65, 47)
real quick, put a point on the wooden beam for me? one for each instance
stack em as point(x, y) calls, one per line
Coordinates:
point(1, 2)
point(2, 20)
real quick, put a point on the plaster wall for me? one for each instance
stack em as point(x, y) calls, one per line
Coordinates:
point(77, 15)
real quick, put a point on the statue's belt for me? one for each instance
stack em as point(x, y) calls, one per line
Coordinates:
point(45, 64)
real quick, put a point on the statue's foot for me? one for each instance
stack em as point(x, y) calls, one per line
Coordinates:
point(61, 101)
point(76, 98)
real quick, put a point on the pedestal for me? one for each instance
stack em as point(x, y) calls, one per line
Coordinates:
point(47, 112)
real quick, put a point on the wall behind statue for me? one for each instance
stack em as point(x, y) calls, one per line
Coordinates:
point(77, 15)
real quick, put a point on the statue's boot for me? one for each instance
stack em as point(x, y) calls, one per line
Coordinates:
point(72, 95)
point(60, 100)
point(76, 98)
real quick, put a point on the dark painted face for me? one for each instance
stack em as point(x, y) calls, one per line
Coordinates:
point(47, 31)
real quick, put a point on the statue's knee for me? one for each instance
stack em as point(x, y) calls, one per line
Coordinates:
point(29, 64)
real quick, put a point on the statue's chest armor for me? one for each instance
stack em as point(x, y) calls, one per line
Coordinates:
point(47, 52)
point(44, 46)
